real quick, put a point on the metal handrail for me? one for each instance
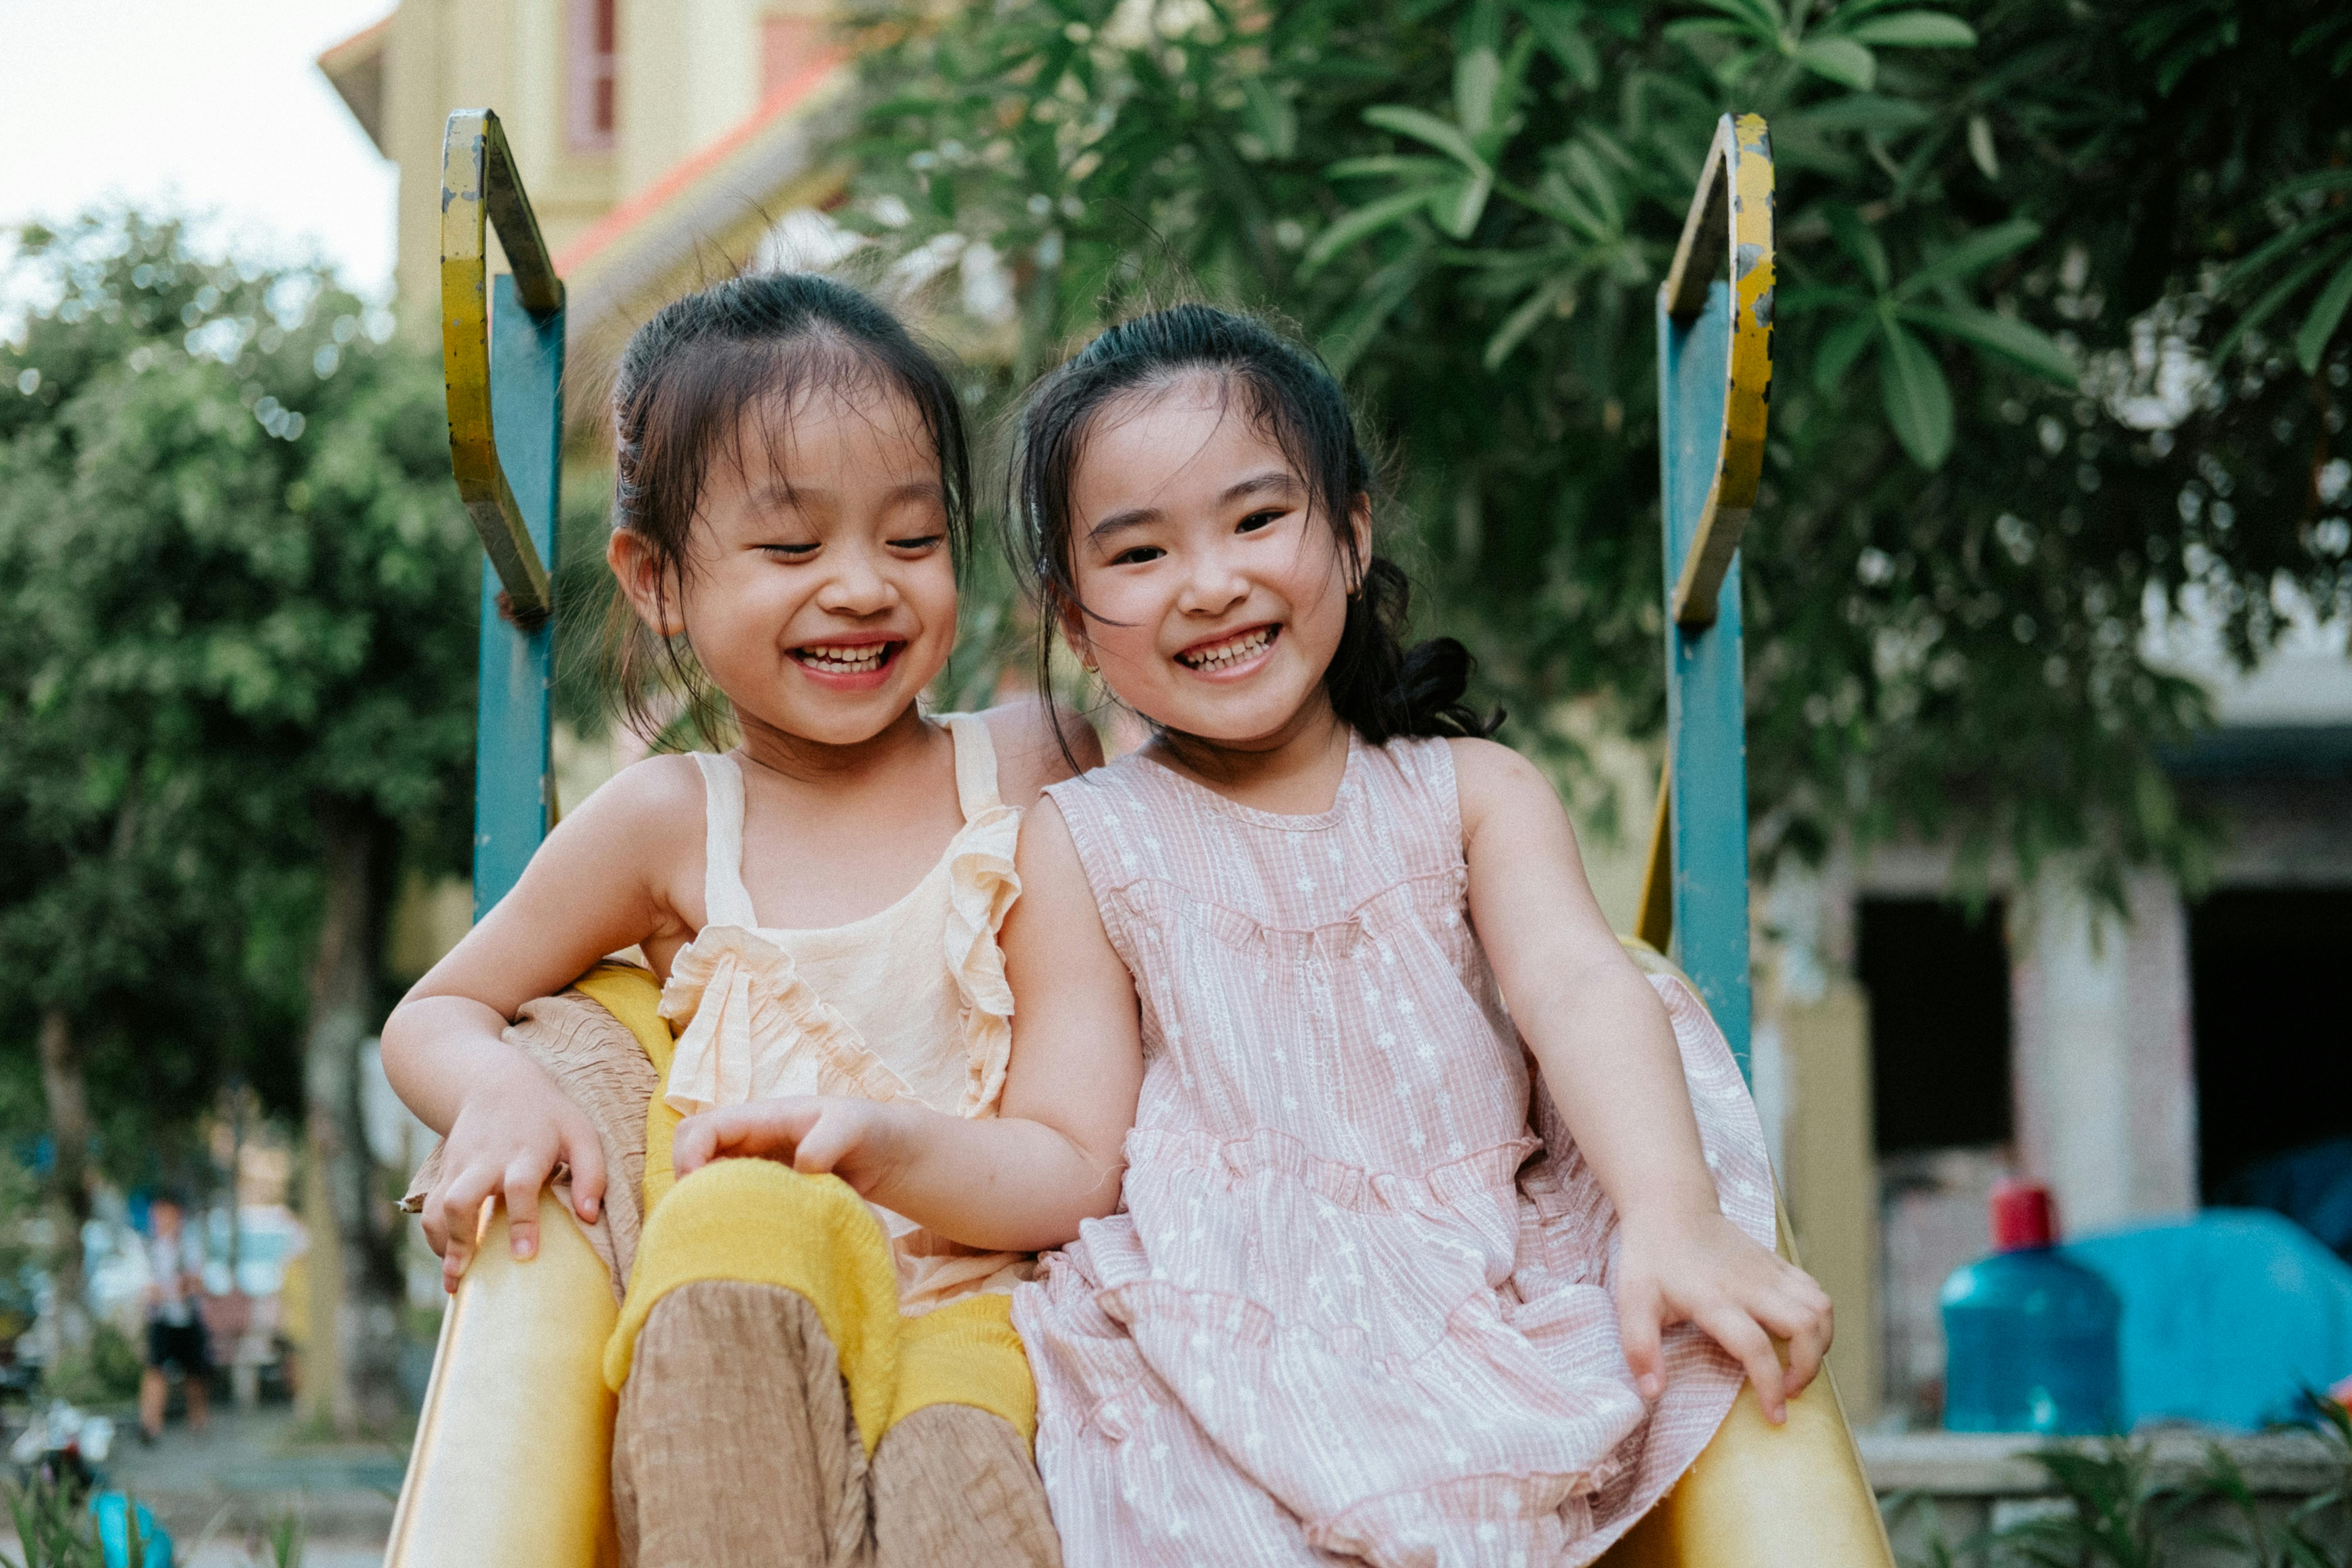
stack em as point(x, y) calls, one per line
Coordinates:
point(1727, 233)
point(1730, 225)
point(479, 186)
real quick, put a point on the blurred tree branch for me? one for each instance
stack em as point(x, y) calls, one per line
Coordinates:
point(2024, 397)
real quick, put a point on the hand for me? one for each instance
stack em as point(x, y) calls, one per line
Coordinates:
point(508, 1136)
point(856, 1140)
point(1698, 1267)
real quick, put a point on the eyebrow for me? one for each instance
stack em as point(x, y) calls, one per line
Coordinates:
point(1137, 516)
point(792, 495)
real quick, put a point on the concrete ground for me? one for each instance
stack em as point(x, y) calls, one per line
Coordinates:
point(218, 1493)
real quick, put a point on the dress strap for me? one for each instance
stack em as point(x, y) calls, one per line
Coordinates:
point(725, 900)
point(975, 763)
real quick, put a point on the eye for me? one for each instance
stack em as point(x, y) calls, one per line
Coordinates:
point(1138, 556)
point(1258, 520)
point(789, 551)
point(919, 542)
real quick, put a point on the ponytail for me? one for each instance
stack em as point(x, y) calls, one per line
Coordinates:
point(1383, 689)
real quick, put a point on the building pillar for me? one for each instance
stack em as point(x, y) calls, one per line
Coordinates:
point(413, 117)
point(1814, 1093)
point(2105, 1080)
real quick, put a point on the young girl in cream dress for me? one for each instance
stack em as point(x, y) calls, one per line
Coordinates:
point(803, 1380)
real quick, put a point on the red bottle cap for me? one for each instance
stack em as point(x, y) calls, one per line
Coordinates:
point(2022, 1217)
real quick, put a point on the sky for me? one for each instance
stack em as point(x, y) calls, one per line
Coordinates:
point(210, 107)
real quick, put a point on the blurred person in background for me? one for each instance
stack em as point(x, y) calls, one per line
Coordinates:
point(176, 1328)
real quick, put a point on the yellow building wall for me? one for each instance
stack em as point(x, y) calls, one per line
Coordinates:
point(686, 72)
point(1829, 1175)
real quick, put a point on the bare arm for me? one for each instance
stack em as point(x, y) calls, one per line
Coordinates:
point(1021, 1181)
point(594, 886)
point(1610, 1061)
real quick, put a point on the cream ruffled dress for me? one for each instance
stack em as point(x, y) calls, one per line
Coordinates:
point(907, 1003)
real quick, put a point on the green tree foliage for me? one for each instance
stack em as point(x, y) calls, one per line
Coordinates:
point(236, 607)
point(2023, 391)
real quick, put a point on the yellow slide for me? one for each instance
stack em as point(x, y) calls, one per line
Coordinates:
point(513, 1457)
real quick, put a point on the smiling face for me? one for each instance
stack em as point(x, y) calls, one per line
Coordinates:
point(1213, 594)
point(818, 591)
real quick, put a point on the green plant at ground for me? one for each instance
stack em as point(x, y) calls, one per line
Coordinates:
point(2110, 1511)
point(2326, 1516)
point(2117, 1515)
point(56, 1528)
point(284, 1542)
point(1934, 1551)
point(53, 1529)
point(105, 1372)
point(2006, 419)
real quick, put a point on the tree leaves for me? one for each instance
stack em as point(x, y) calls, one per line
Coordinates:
point(1839, 350)
point(2013, 340)
point(1424, 127)
point(1914, 30)
point(1483, 268)
point(1972, 255)
point(1841, 60)
point(2326, 311)
point(224, 619)
point(2310, 243)
point(1557, 26)
point(1368, 219)
point(1916, 397)
point(1861, 244)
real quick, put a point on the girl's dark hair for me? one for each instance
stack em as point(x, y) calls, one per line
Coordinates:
point(686, 380)
point(1377, 684)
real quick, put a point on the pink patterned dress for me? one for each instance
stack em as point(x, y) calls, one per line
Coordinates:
point(1354, 1306)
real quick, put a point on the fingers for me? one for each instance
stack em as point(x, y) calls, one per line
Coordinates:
point(692, 1144)
point(1731, 1327)
point(1639, 1315)
point(523, 1180)
point(436, 1235)
point(454, 1214)
point(585, 1155)
point(759, 1129)
point(827, 1142)
point(1801, 1314)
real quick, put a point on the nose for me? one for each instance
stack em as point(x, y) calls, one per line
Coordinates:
point(857, 587)
point(1213, 586)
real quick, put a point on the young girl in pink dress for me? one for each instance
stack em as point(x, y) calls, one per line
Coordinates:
point(1445, 1235)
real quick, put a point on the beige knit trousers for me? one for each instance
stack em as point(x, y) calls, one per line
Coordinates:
point(735, 1448)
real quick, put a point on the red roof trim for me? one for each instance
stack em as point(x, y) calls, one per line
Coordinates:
point(601, 235)
point(356, 43)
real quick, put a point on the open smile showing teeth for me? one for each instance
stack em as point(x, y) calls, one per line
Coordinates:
point(1235, 649)
point(856, 658)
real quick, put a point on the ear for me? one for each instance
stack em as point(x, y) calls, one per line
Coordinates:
point(1360, 524)
point(1073, 621)
point(652, 592)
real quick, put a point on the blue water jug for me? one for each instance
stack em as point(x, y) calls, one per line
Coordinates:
point(2031, 1339)
point(113, 1512)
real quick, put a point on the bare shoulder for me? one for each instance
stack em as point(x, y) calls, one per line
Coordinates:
point(1498, 785)
point(1037, 743)
point(1048, 850)
point(1492, 769)
point(1057, 915)
point(649, 815)
point(658, 791)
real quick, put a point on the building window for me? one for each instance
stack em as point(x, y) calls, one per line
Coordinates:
point(2274, 1073)
point(592, 52)
point(1938, 984)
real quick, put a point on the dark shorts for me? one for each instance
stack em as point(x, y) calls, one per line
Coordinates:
point(178, 1344)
